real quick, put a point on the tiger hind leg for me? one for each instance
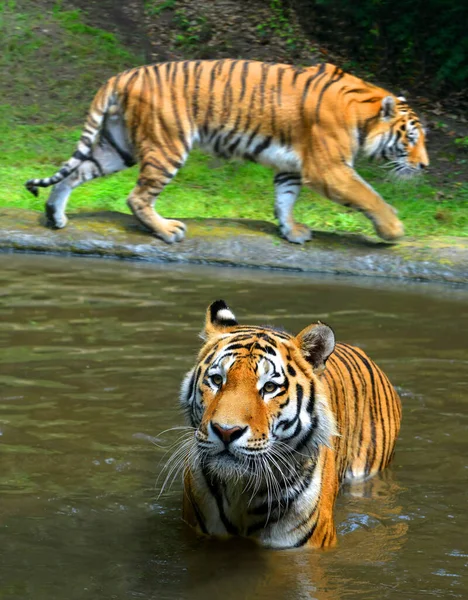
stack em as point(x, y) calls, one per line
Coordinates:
point(108, 156)
point(287, 188)
point(156, 171)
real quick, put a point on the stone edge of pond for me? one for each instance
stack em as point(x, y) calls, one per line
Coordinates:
point(236, 242)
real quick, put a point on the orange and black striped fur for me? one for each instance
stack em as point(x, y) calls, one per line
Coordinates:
point(308, 124)
point(276, 424)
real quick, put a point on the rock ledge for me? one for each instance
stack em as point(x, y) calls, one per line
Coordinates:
point(237, 243)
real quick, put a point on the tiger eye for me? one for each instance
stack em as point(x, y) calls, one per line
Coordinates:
point(217, 379)
point(269, 387)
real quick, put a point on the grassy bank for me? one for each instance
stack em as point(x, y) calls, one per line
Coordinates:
point(48, 82)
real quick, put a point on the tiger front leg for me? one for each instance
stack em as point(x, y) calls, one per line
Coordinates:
point(154, 176)
point(56, 203)
point(287, 188)
point(343, 185)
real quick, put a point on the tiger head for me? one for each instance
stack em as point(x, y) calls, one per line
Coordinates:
point(254, 397)
point(396, 135)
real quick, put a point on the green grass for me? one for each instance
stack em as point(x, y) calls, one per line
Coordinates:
point(57, 63)
point(51, 63)
point(207, 187)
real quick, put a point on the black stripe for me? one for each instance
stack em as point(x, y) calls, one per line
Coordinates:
point(97, 164)
point(227, 94)
point(281, 178)
point(336, 76)
point(354, 369)
point(250, 110)
point(237, 346)
point(279, 82)
point(230, 527)
point(311, 402)
point(245, 70)
point(381, 399)
point(265, 68)
point(209, 110)
point(124, 155)
point(308, 436)
point(126, 90)
point(168, 66)
point(158, 166)
point(356, 91)
point(197, 511)
point(209, 357)
point(80, 156)
point(372, 450)
point(197, 72)
point(304, 521)
point(262, 146)
point(287, 423)
point(252, 135)
point(187, 96)
point(340, 354)
point(297, 72)
point(191, 386)
point(175, 110)
point(304, 539)
point(372, 100)
point(307, 85)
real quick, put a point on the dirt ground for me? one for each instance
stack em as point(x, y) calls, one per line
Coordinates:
point(179, 29)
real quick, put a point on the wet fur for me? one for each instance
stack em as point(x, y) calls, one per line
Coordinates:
point(335, 417)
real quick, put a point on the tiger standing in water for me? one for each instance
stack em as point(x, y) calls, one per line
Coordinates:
point(308, 124)
point(276, 424)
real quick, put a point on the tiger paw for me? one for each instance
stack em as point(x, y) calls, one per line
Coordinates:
point(173, 231)
point(298, 234)
point(389, 230)
point(55, 219)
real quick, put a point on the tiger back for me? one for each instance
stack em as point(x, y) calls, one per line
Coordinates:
point(277, 424)
point(308, 124)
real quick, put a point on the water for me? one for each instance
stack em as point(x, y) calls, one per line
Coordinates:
point(92, 355)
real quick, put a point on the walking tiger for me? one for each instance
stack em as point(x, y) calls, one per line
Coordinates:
point(308, 124)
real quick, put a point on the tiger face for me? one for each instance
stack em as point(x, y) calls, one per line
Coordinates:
point(254, 398)
point(398, 138)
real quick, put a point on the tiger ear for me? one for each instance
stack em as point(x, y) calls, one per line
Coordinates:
point(387, 110)
point(218, 318)
point(316, 342)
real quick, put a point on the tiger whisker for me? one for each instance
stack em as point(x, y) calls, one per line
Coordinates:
point(174, 463)
point(187, 430)
point(277, 485)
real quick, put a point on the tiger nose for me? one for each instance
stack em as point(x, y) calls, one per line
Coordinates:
point(226, 433)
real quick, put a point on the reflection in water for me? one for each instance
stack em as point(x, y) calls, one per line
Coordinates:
point(92, 356)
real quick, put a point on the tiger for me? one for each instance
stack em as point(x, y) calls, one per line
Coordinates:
point(276, 423)
point(308, 124)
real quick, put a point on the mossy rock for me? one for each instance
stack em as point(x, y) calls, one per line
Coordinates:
point(237, 242)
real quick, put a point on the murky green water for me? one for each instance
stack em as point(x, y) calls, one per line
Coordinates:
point(92, 355)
